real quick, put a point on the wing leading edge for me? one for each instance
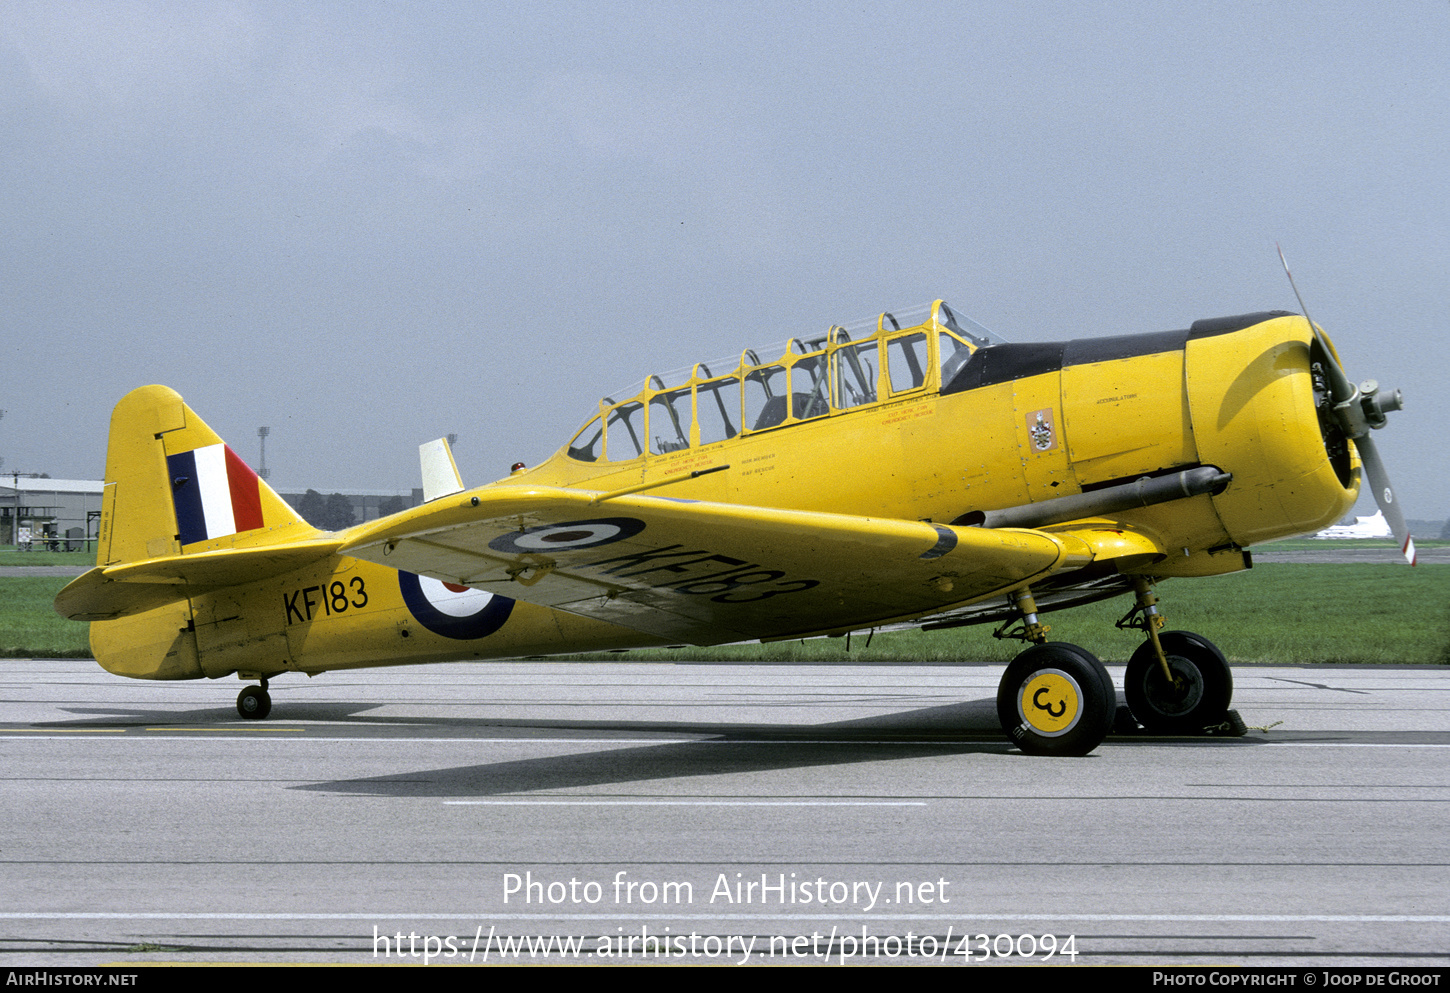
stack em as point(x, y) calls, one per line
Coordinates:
point(707, 573)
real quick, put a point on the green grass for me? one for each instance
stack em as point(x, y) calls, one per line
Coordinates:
point(29, 625)
point(1329, 544)
point(1274, 613)
point(10, 555)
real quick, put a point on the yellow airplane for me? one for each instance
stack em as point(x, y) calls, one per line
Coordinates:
point(911, 469)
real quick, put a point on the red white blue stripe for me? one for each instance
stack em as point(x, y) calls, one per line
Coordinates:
point(215, 494)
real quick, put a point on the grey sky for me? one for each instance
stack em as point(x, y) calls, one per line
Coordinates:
point(367, 225)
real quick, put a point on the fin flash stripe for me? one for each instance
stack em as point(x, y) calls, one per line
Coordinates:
point(215, 494)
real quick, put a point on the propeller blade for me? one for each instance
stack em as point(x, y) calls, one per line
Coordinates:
point(1384, 495)
point(1340, 388)
point(1356, 414)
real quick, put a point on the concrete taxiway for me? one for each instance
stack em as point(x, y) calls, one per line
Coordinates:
point(712, 813)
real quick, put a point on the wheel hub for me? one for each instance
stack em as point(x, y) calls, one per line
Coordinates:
point(1051, 703)
point(1182, 695)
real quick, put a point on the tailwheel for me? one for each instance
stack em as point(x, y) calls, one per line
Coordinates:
point(254, 703)
point(1056, 699)
point(1198, 695)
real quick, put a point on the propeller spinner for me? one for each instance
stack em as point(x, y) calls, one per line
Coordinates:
point(1354, 411)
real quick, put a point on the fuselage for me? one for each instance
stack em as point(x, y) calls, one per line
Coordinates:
point(1014, 425)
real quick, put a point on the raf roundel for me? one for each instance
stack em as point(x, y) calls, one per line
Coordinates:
point(451, 610)
point(568, 536)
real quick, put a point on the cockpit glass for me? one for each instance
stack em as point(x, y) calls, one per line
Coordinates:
point(669, 422)
point(867, 362)
point(809, 396)
point(765, 397)
point(906, 361)
point(588, 444)
point(624, 432)
point(717, 408)
point(854, 367)
point(966, 328)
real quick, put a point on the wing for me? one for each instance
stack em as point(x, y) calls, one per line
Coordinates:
point(706, 573)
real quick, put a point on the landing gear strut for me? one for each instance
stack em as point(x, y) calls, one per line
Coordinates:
point(254, 702)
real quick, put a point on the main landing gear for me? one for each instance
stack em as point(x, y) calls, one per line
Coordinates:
point(254, 702)
point(1188, 690)
point(1177, 682)
point(1055, 698)
point(1058, 699)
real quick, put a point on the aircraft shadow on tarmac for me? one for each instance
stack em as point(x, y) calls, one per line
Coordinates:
point(758, 751)
point(952, 729)
point(732, 748)
point(637, 764)
point(969, 721)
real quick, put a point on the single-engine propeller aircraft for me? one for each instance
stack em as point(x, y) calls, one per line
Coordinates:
point(912, 468)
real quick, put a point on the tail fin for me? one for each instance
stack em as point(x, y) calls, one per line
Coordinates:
point(174, 487)
point(181, 516)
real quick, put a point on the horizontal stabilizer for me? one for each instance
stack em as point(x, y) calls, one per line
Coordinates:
point(108, 592)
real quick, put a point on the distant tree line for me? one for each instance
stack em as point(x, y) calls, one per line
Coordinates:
point(333, 513)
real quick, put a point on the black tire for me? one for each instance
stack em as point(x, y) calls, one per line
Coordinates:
point(1110, 692)
point(1236, 726)
point(1203, 685)
point(254, 703)
point(1052, 701)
